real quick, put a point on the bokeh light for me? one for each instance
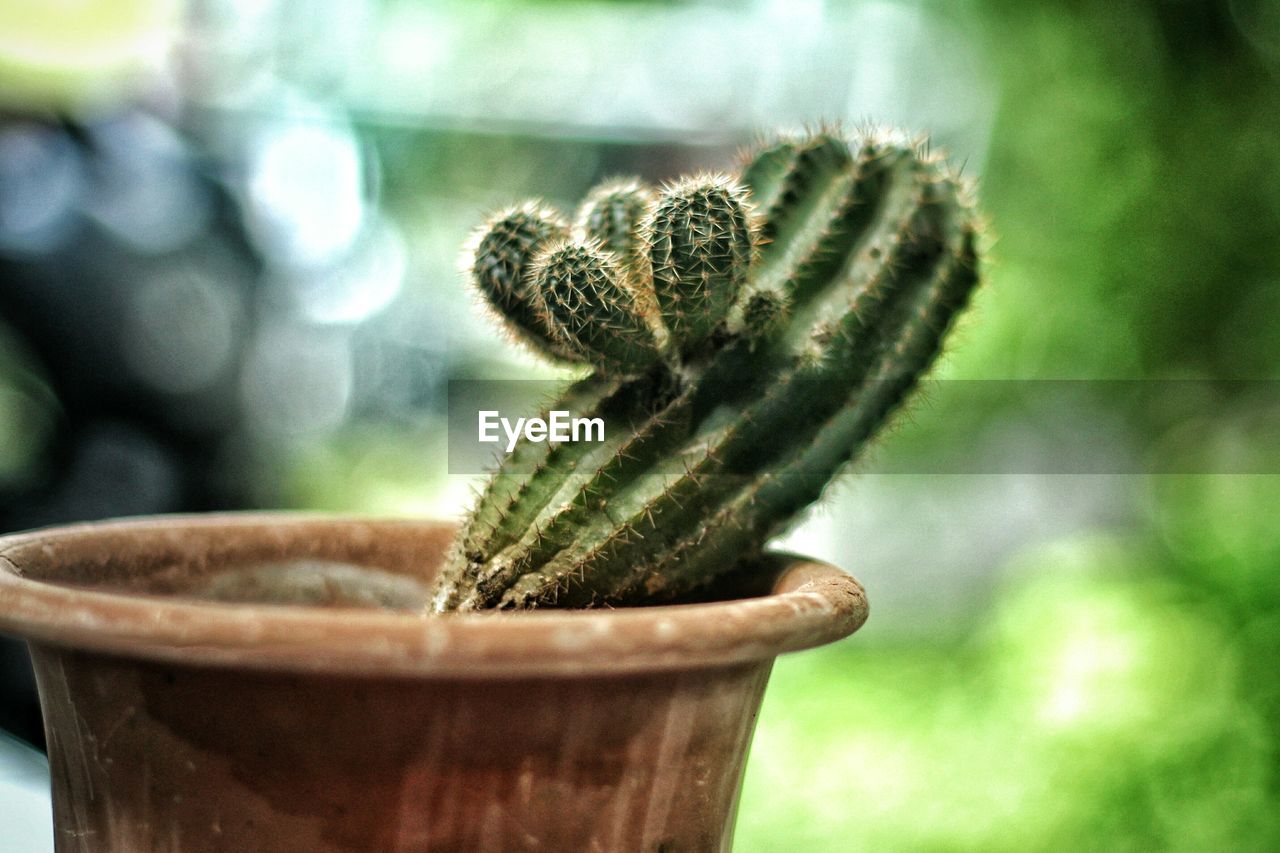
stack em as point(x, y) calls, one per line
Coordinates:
point(306, 193)
point(41, 179)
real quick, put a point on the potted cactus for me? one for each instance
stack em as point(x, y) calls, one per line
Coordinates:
point(746, 335)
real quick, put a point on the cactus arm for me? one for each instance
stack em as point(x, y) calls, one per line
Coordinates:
point(591, 307)
point(611, 213)
point(763, 171)
point(498, 258)
point(699, 238)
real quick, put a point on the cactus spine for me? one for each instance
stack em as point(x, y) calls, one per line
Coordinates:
point(771, 322)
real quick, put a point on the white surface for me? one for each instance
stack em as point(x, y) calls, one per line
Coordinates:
point(26, 813)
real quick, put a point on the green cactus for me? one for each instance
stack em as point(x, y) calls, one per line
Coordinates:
point(752, 345)
point(500, 260)
point(611, 213)
point(588, 303)
point(699, 238)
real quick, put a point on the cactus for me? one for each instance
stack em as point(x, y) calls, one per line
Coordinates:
point(500, 261)
point(699, 238)
point(748, 335)
point(611, 213)
point(587, 301)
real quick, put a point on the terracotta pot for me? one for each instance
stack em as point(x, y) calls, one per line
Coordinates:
point(265, 683)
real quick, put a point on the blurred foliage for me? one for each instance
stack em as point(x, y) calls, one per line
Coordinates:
point(1101, 705)
point(1123, 695)
point(82, 55)
point(26, 413)
point(1132, 183)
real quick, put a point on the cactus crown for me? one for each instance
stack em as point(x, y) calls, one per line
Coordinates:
point(748, 335)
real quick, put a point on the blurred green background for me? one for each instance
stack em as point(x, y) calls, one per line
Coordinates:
point(228, 236)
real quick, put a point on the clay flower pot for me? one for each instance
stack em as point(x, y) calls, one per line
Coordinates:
point(266, 683)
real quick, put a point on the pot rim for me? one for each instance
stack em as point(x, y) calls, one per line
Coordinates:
point(812, 603)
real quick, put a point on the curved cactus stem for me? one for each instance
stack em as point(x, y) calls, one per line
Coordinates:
point(700, 238)
point(498, 259)
point(611, 213)
point(866, 257)
point(907, 288)
point(586, 301)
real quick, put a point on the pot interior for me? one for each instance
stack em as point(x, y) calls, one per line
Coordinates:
point(377, 564)
point(384, 565)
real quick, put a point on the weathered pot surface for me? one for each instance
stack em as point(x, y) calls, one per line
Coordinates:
point(268, 683)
